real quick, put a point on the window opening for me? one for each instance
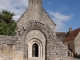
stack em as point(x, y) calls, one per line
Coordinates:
point(35, 50)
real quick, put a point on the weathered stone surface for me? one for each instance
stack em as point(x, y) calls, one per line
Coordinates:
point(34, 26)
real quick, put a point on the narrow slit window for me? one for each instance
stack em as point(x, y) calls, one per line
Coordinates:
point(32, 1)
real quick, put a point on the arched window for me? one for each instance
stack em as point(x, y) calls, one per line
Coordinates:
point(35, 50)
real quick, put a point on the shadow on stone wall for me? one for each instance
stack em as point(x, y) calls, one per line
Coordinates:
point(77, 56)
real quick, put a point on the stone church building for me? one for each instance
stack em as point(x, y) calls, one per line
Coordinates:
point(35, 39)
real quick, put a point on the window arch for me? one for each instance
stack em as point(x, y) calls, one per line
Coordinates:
point(35, 50)
point(31, 39)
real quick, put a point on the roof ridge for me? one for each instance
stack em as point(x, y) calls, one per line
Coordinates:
point(72, 35)
point(76, 29)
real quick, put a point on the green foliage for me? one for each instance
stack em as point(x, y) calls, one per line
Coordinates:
point(6, 16)
point(7, 24)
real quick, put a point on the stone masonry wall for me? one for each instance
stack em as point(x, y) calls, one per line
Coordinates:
point(11, 48)
point(77, 44)
point(34, 18)
point(54, 47)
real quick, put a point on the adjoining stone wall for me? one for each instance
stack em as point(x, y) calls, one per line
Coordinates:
point(11, 47)
point(70, 45)
point(77, 44)
point(56, 50)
